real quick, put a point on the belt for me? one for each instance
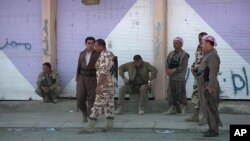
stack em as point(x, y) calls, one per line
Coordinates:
point(88, 72)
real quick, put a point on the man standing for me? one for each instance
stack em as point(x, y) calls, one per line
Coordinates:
point(104, 90)
point(139, 81)
point(86, 78)
point(196, 95)
point(208, 81)
point(48, 84)
point(176, 69)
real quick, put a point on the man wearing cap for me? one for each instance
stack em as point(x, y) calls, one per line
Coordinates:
point(138, 82)
point(207, 72)
point(176, 69)
point(196, 100)
point(86, 78)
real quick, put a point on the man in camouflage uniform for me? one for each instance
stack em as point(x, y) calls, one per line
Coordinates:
point(48, 84)
point(86, 78)
point(104, 90)
point(196, 95)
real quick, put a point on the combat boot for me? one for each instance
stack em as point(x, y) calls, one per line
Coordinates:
point(202, 121)
point(194, 117)
point(171, 111)
point(118, 110)
point(182, 110)
point(90, 128)
point(109, 125)
point(141, 111)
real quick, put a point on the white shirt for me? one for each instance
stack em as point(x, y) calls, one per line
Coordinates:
point(87, 57)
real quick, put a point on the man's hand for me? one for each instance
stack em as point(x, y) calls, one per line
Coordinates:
point(169, 72)
point(45, 89)
point(126, 81)
point(210, 90)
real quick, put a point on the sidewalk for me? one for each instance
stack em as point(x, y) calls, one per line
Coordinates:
point(67, 117)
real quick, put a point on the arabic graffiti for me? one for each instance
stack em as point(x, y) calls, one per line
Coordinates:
point(15, 44)
point(45, 40)
point(242, 81)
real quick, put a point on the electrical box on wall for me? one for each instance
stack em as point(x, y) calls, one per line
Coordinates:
point(90, 2)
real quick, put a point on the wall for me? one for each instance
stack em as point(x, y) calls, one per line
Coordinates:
point(125, 25)
point(228, 21)
point(20, 48)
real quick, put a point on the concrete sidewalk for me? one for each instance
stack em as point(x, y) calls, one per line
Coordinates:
point(66, 120)
point(35, 114)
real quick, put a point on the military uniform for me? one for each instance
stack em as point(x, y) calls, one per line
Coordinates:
point(52, 81)
point(105, 99)
point(196, 99)
point(138, 80)
point(86, 82)
point(209, 69)
point(177, 84)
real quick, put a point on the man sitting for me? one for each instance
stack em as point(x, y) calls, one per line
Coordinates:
point(48, 84)
point(138, 82)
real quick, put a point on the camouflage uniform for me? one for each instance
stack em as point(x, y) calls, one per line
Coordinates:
point(195, 99)
point(105, 99)
point(52, 81)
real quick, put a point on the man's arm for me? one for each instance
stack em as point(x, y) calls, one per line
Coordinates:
point(153, 71)
point(78, 68)
point(57, 81)
point(122, 69)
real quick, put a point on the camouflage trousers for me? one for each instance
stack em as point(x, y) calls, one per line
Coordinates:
point(104, 102)
point(195, 99)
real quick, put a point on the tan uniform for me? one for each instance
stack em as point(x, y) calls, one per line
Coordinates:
point(105, 99)
point(52, 81)
point(209, 69)
point(86, 82)
point(138, 80)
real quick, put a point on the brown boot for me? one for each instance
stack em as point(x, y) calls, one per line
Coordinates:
point(171, 111)
point(202, 121)
point(90, 128)
point(109, 125)
point(118, 110)
point(182, 110)
point(194, 117)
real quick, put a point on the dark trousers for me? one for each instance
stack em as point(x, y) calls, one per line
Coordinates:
point(85, 87)
point(177, 92)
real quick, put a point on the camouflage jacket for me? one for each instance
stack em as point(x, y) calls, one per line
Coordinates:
point(103, 66)
point(198, 57)
point(51, 80)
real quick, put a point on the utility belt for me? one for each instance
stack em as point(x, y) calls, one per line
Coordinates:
point(88, 72)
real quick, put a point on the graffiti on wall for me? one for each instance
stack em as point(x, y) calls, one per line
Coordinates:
point(14, 44)
point(240, 82)
point(45, 40)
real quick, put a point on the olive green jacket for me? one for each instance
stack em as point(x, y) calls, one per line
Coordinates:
point(52, 80)
point(144, 71)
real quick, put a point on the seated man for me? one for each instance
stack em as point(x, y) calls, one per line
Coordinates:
point(48, 84)
point(138, 82)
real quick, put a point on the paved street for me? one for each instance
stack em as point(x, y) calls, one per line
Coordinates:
point(18, 134)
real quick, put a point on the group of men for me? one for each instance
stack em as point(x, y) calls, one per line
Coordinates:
point(96, 83)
